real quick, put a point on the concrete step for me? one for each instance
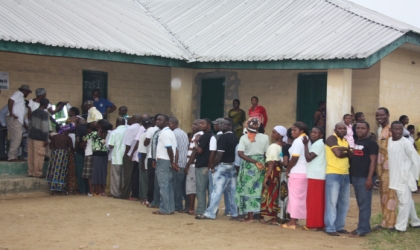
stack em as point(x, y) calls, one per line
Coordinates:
point(14, 184)
point(17, 168)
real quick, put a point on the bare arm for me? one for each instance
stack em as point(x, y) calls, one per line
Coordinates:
point(171, 158)
point(291, 164)
point(271, 165)
point(146, 142)
point(217, 158)
point(110, 110)
point(191, 160)
point(308, 156)
point(372, 167)
point(211, 159)
point(10, 104)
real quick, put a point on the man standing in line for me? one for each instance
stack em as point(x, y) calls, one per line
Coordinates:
point(205, 148)
point(118, 148)
point(14, 120)
point(142, 152)
point(388, 196)
point(404, 170)
point(362, 172)
point(179, 177)
point(223, 171)
point(337, 181)
point(102, 105)
point(38, 140)
point(152, 135)
point(166, 156)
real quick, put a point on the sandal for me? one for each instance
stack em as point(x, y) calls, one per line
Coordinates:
point(355, 234)
point(191, 212)
point(150, 206)
point(103, 194)
point(332, 233)
point(287, 226)
point(160, 213)
point(343, 231)
point(247, 221)
point(145, 202)
point(202, 217)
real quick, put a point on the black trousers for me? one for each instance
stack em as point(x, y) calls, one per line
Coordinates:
point(135, 177)
point(150, 180)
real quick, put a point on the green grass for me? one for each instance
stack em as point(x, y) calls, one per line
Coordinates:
point(385, 239)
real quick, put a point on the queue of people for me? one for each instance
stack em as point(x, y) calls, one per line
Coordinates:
point(298, 177)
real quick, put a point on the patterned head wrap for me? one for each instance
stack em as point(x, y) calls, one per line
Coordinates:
point(252, 126)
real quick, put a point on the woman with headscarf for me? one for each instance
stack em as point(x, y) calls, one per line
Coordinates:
point(238, 117)
point(296, 170)
point(259, 112)
point(251, 150)
point(271, 182)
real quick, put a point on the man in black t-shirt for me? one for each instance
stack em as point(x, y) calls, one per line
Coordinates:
point(223, 171)
point(362, 172)
point(204, 156)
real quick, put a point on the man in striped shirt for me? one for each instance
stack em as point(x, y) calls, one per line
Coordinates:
point(179, 177)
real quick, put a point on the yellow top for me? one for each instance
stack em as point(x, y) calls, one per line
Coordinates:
point(336, 165)
point(417, 143)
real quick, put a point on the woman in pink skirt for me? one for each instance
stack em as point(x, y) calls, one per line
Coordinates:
point(296, 170)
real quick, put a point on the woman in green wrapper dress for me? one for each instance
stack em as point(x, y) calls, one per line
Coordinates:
point(251, 149)
point(238, 117)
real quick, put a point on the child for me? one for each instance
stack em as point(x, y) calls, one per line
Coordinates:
point(57, 169)
point(88, 164)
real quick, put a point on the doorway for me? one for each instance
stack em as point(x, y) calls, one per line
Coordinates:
point(94, 80)
point(212, 101)
point(312, 88)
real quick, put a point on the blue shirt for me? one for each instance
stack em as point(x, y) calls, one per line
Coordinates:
point(102, 105)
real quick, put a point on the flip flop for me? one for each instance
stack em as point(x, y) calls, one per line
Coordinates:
point(150, 206)
point(159, 213)
point(247, 221)
point(202, 217)
point(191, 212)
point(288, 227)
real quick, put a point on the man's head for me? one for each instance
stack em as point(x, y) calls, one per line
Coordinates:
point(397, 129)
point(152, 121)
point(88, 104)
point(347, 119)
point(25, 90)
point(122, 111)
point(205, 124)
point(145, 121)
point(40, 93)
point(362, 130)
point(96, 94)
point(404, 119)
point(195, 126)
point(254, 101)
point(136, 118)
point(173, 123)
point(382, 116)
point(73, 111)
point(412, 129)
point(226, 125)
point(216, 124)
point(359, 117)
point(120, 121)
point(162, 121)
point(322, 105)
point(43, 103)
point(340, 129)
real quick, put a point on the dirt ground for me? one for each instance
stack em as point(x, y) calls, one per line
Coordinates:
point(39, 221)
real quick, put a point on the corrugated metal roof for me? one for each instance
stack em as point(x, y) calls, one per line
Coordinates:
point(107, 25)
point(265, 30)
point(205, 30)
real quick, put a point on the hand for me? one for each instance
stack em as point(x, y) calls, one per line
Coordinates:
point(287, 173)
point(305, 140)
point(175, 167)
point(153, 164)
point(265, 182)
point(45, 143)
point(187, 168)
point(13, 115)
point(197, 138)
point(259, 165)
point(369, 184)
point(143, 168)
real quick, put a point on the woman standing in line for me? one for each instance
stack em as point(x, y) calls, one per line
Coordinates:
point(238, 117)
point(251, 149)
point(271, 183)
point(315, 172)
point(298, 183)
point(259, 112)
point(283, 215)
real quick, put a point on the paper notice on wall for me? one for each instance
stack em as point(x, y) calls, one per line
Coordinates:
point(4, 80)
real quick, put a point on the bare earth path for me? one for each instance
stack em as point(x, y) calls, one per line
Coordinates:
point(37, 221)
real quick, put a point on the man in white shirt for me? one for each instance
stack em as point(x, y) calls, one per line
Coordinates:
point(152, 192)
point(142, 154)
point(14, 120)
point(166, 158)
point(404, 170)
point(118, 148)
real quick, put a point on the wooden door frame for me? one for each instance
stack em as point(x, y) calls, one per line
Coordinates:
point(97, 72)
point(298, 88)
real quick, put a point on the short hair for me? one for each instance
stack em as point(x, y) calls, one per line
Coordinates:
point(165, 116)
point(96, 90)
point(344, 116)
point(75, 110)
point(145, 121)
point(396, 123)
point(301, 126)
point(289, 133)
point(237, 100)
point(173, 120)
point(402, 118)
point(367, 124)
point(321, 103)
point(123, 108)
point(384, 109)
point(320, 129)
point(207, 120)
point(358, 115)
point(230, 121)
point(254, 97)
point(156, 116)
point(44, 101)
point(410, 127)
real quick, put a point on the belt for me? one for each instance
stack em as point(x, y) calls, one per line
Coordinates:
point(162, 159)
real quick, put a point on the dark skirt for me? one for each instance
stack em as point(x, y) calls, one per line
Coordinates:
point(71, 173)
point(270, 194)
point(88, 167)
point(100, 169)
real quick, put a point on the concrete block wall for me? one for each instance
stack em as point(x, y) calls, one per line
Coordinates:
point(365, 92)
point(400, 84)
point(142, 88)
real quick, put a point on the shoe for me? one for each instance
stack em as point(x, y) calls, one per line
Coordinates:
point(90, 195)
point(343, 231)
point(378, 227)
point(414, 226)
point(395, 230)
point(332, 233)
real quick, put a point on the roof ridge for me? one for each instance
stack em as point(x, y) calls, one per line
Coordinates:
point(190, 58)
point(334, 2)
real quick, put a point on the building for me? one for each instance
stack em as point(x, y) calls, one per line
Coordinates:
point(192, 58)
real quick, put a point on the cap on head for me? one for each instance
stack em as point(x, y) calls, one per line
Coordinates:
point(40, 91)
point(217, 121)
point(25, 87)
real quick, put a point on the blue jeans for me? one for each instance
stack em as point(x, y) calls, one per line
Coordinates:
point(179, 188)
point(224, 178)
point(337, 201)
point(364, 202)
point(166, 189)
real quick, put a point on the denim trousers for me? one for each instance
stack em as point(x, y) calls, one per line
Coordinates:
point(364, 202)
point(179, 188)
point(223, 179)
point(226, 194)
point(166, 189)
point(337, 201)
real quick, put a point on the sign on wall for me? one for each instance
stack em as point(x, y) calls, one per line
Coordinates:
point(4, 81)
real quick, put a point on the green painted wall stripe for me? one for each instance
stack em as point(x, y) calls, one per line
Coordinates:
point(40, 49)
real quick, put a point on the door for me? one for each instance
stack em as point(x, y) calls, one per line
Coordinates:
point(212, 102)
point(94, 80)
point(312, 88)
